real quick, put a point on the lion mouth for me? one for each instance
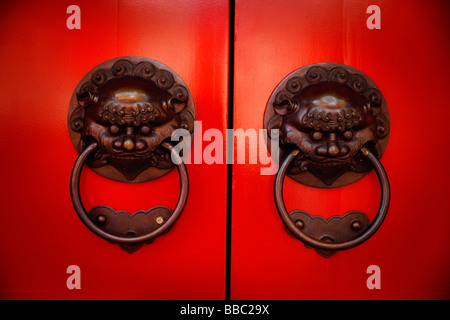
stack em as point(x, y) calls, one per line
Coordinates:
point(329, 171)
point(333, 163)
point(130, 157)
point(325, 161)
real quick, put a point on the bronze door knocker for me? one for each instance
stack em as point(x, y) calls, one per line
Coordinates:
point(121, 118)
point(334, 126)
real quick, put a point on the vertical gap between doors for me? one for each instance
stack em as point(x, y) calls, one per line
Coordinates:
point(230, 166)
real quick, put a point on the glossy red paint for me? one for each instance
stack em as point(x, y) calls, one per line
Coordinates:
point(408, 60)
point(42, 62)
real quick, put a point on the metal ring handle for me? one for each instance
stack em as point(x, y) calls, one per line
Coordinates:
point(81, 211)
point(373, 227)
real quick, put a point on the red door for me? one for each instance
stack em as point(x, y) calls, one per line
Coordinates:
point(43, 61)
point(408, 60)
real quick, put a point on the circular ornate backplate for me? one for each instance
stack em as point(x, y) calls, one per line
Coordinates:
point(129, 106)
point(328, 111)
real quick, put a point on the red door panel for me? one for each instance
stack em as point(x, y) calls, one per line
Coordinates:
point(408, 60)
point(42, 61)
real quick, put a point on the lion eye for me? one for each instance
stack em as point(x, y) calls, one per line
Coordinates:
point(348, 135)
point(317, 136)
point(114, 129)
point(145, 129)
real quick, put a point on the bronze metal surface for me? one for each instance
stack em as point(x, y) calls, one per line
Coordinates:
point(121, 118)
point(328, 111)
point(337, 240)
point(334, 229)
point(119, 227)
point(129, 106)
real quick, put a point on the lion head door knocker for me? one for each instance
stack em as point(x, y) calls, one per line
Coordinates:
point(121, 118)
point(334, 126)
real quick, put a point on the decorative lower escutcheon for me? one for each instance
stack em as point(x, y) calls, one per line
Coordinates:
point(121, 118)
point(333, 125)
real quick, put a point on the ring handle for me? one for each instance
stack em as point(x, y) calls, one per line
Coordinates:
point(127, 240)
point(333, 246)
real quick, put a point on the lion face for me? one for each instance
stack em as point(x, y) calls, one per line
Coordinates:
point(328, 124)
point(329, 114)
point(129, 111)
point(130, 123)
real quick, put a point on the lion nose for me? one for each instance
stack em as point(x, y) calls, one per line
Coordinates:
point(129, 144)
point(332, 149)
point(336, 149)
